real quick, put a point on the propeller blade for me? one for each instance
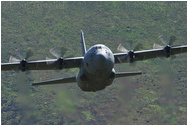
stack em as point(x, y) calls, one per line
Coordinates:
point(63, 51)
point(49, 62)
point(29, 54)
point(157, 46)
point(19, 54)
point(130, 43)
point(138, 47)
point(161, 38)
point(12, 59)
point(122, 49)
point(54, 52)
point(119, 59)
point(172, 40)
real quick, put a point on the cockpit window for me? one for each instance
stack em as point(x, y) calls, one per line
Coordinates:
point(98, 47)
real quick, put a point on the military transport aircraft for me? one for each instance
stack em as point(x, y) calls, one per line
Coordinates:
point(96, 65)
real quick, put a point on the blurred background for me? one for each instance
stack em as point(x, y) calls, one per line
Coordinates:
point(159, 96)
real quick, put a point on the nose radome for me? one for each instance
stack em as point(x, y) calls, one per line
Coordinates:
point(100, 61)
point(100, 57)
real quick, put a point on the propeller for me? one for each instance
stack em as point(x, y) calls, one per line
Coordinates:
point(130, 53)
point(167, 48)
point(23, 61)
point(122, 49)
point(157, 46)
point(170, 43)
point(59, 55)
point(54, 52)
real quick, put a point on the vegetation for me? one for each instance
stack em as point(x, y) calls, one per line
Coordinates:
point(159, 96)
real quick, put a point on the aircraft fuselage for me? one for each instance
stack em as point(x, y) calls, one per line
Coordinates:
point(97, 70)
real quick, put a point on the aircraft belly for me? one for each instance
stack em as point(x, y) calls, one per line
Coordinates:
point(94, 85)
point(93, 82)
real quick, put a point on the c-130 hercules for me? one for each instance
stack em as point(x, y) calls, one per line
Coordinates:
point(96, 65)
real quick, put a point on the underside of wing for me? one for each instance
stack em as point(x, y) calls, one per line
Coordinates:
point(9, 66)
point(56, 81)
point(178, 49)
point(149, 54)
point(43, 64)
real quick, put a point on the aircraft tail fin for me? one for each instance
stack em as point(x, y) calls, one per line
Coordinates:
point(83, 43)
point(125, 74)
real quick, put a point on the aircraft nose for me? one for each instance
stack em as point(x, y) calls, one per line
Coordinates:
point(101, 61)
point(100, 57)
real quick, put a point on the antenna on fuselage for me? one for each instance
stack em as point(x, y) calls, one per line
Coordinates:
point(83, 43)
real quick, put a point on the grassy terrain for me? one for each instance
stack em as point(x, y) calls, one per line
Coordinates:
point(159, 96)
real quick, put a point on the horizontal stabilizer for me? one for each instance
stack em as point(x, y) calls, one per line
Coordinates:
point(125, 74)
point(56, 81)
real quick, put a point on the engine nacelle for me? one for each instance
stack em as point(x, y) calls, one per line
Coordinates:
point(130, 56)
point(167, 51)
point(60, 63)
point(23, 65)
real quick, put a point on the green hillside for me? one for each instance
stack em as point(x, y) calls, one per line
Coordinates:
point(159, 96)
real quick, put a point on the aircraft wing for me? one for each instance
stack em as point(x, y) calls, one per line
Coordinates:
point(149, 54)
point(56, 81)
point(44, 64)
